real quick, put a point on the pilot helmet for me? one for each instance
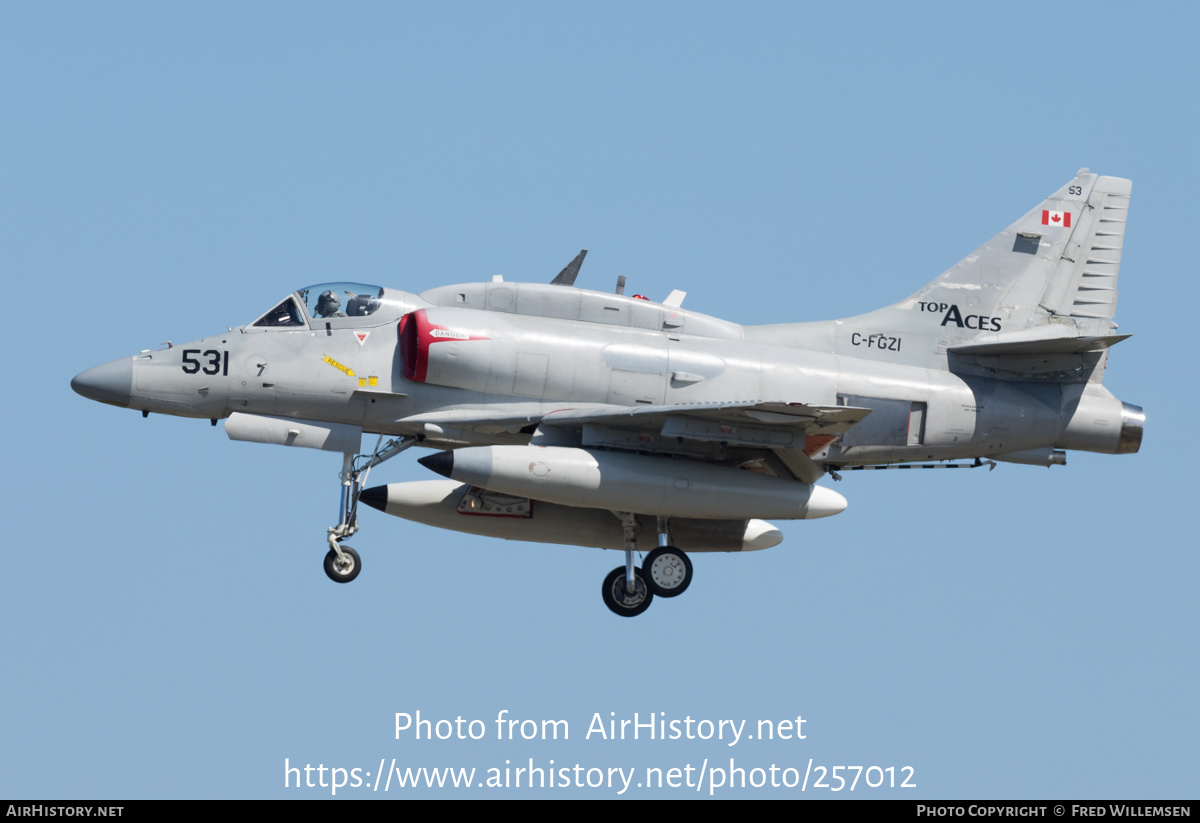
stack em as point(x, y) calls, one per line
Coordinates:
point(327, 303)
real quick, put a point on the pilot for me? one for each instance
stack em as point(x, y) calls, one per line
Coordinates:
point(328, 305)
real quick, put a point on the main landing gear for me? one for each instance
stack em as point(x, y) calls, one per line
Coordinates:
point(669, 571)
point(666, 572)
point(342, 563)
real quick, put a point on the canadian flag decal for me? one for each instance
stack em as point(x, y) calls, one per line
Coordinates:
point(1056, 218)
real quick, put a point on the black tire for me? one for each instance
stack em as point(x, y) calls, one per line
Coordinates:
point(668, 571)
point(339, 573)
point(622, 602)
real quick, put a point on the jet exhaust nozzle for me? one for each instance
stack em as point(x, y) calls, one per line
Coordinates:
point(1133, 421)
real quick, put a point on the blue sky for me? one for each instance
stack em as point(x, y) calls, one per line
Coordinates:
point(172, 169)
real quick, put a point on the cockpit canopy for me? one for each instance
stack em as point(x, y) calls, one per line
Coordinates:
point(326, 301)
point(341, 300)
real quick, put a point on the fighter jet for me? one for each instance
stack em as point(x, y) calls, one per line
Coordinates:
point(563, 415)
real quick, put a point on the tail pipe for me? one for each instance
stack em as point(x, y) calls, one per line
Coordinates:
point(1099, 422)
point(1133, 421)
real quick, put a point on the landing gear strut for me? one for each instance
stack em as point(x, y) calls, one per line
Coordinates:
point(666, 571)
point(625, 591)
point(342, 563)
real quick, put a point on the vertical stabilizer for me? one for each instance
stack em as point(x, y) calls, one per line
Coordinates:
point(1057, 264)
point(1046, 285)
point(1084, 284)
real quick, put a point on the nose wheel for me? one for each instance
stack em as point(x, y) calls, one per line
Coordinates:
point(344, 567)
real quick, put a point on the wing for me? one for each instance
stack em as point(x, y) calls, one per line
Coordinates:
point(775, 438)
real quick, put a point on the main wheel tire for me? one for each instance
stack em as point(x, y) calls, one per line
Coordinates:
point(668, 571)
point(622, 602)
point(343, 571)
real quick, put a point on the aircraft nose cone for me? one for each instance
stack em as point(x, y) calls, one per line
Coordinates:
point(110, 383)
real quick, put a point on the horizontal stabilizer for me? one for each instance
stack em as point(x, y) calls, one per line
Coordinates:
point(1058, 345)
point(1047, 352)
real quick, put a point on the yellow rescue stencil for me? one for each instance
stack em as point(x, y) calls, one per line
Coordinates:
point(362, 381)
point(339, 366)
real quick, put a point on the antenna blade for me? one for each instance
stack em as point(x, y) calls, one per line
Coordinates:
point(567, 276)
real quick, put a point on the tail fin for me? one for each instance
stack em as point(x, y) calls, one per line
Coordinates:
point(1035, 302)
point(1057, 265)
point(1084, 284)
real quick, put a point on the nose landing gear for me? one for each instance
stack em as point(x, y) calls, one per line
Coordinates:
point(342, 563)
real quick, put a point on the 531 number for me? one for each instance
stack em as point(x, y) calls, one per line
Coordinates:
point(217, 362)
